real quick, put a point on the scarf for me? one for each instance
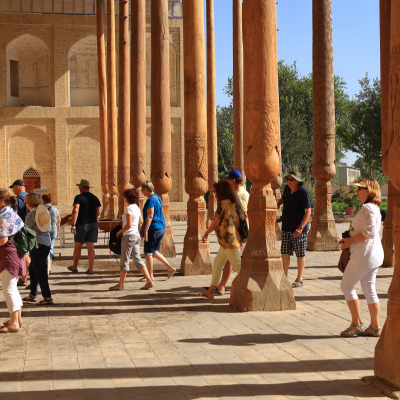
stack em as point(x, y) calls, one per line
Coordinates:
point(10, 222)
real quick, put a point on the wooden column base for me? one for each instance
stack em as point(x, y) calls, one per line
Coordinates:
point(261, 284)
point(196, 258)
point(387, 360)
point(112, 207)
point(168, 244)
point(104, 211)
point(323, 235)
point(212, 206)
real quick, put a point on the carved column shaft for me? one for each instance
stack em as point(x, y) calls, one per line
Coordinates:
point(123, 106)
point(112, 114)
point(261, 283)
point(211, 114)
point(138, 95)
point(160, 116)
point(387, 362)
point(238, 159)
point(323, 235)
point(101, 63)
point(196, 259)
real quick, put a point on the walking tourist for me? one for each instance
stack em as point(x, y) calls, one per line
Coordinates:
point(39, 220)
point(84, 224)
point(225, 224)
point(235, 180)
point(295, 216)
point(131, 239)
point(18, 188)
point(12, 264)
point(154, 230)
point(47, 199)
point(366, 256)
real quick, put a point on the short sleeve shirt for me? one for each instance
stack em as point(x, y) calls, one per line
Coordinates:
point(54, 214)
point(158, 221)
point(227, 233)
point(242, 197)
point(133, 210)
point(293, 212)
point(88, 204)
point(20, 207)
point(41, 237)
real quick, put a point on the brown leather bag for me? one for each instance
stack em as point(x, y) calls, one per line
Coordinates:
point(344, 259)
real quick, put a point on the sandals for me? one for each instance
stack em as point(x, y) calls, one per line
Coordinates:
point(72, 270)
point(8, 329)
point(349, 332)
point(30, 299)
point(45, 302)
point(21, 282)
point(171, 273)
point(216, 293)
point(297, 283)
point(147, 286)
point(7, 323)
point(371, 332)
point(116, 287)
point(89, 272)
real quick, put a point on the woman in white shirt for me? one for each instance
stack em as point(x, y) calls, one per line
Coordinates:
point(366, 256)
point(130, 238)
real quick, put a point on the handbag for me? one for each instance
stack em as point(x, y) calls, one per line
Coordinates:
point(344, 260)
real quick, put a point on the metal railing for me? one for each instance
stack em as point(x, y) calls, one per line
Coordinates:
point(74, 7)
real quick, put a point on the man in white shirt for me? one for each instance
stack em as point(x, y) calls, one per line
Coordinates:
point(242, 197)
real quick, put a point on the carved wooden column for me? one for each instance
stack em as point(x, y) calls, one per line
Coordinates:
point(276, 186)
point(196, 259)
point(238, 88)
point(211, 114)
point(101, 62)
point(323, 235)
point(111, 114)
point(161, 117)
point(393, 198)
point(138, 95)
point(261, 283)
point(123, 106)
point(387, 362)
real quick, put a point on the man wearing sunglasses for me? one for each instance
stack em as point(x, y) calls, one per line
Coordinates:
point(295, 215)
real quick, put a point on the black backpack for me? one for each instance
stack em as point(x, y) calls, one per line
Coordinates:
point(115, 243)
point(23, 212)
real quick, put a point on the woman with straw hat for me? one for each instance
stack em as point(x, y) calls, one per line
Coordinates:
point(39, 220)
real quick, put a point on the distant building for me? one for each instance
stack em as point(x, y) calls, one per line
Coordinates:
point(348, 175)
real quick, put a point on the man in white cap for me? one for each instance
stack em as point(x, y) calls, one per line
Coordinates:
point(84, 224)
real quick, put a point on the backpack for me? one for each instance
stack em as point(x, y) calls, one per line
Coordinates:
point(23, 212)
point(24, 240)
point(115, 242)
point(243, 229)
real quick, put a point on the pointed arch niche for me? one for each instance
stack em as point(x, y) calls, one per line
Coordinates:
point(28, 72)
point(83, 79)
point(31, 178)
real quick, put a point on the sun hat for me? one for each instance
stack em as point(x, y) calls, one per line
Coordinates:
point(18, 182)
point(84, 183)
point(42, 218)
point(360, 185)
point(294, 175)
point(235, 174)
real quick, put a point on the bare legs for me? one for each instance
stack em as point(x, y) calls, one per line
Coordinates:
point(77, 255)
point(301, 264)
point(354, 306)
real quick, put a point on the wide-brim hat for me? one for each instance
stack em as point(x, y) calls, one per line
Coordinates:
point(295, 175)
point(43, 218)
point(84, 183)
point(360, 185)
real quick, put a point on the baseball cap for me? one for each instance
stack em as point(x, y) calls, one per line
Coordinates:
point(235, 174)
point(18, 182)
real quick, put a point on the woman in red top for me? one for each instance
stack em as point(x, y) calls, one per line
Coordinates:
point(12, 264)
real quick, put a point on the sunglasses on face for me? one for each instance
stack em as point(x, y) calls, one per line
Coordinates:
point(359, 188)
point(291, 179)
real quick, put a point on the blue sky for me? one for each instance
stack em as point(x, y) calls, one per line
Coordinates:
point(355, 40)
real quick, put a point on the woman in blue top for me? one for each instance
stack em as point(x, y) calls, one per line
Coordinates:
point(154, 230)
point(295, 215)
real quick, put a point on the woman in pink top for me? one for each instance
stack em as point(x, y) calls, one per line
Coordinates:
point(12, 264)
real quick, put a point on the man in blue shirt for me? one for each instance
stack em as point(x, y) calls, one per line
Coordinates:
point(18, 188)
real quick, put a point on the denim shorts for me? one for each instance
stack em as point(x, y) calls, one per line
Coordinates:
point(153, 243)
point(86, 233)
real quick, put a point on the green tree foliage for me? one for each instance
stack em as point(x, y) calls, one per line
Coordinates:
point(362, 132)
point(377, 172)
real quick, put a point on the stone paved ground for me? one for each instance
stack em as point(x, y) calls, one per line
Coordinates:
point(169, 344)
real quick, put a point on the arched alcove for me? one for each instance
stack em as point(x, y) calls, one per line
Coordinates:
point(84, 160)
point(30, 150)
point(28, 72)
point(31, 179)
point(83, 74)
point(173, 74)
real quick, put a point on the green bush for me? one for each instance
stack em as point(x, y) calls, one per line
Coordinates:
point(383, 206)
point(338, 207)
